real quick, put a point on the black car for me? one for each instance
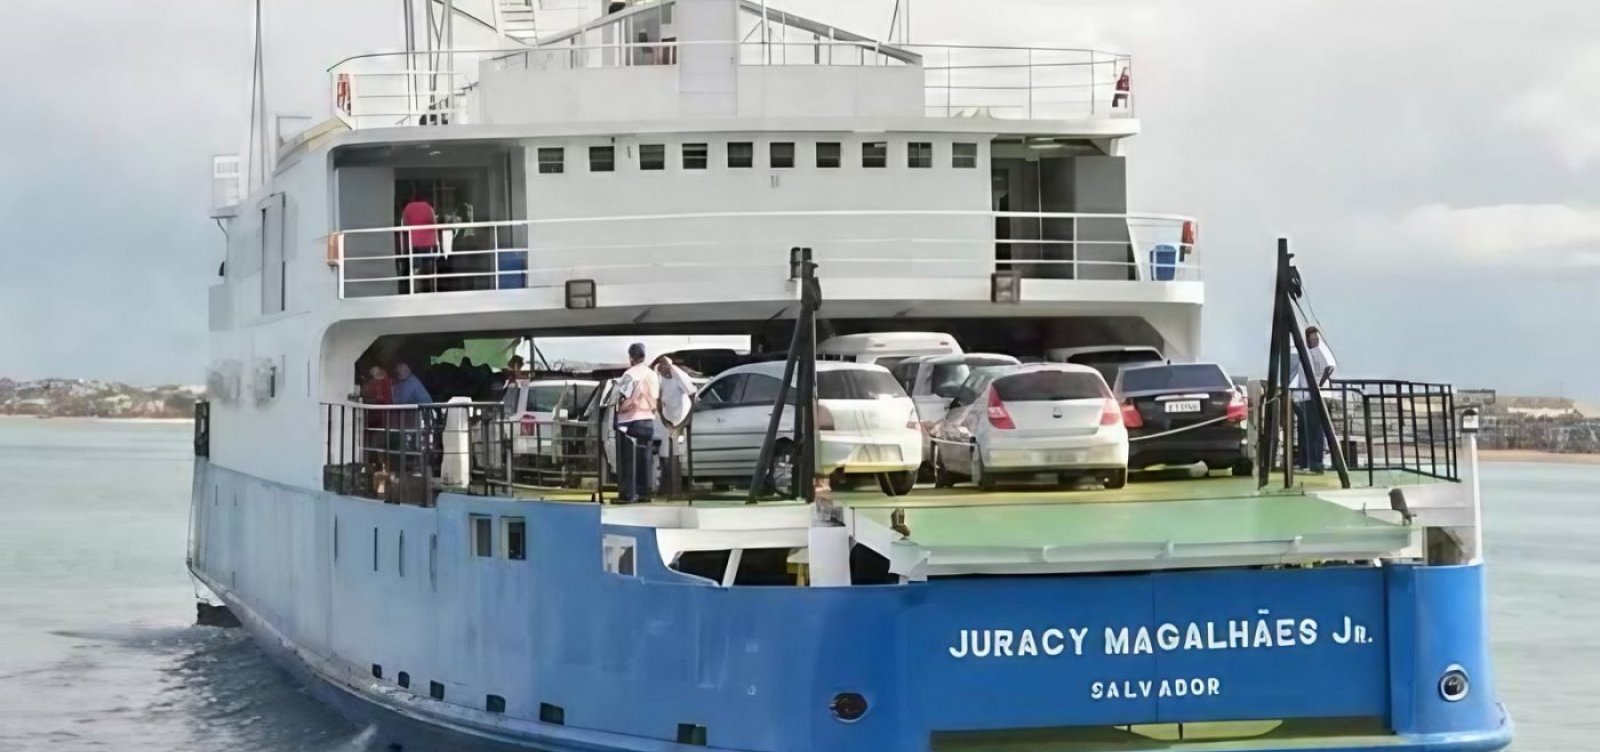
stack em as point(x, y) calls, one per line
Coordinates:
point(1183, 413)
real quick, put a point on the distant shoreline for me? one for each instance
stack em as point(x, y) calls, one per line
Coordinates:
point(1532, 455)
point(86, 418)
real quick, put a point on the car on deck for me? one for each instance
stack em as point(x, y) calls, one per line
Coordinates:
point(1031, 419)
point(536, 407)
point(933, 380)
point(1182, 414)
point(866, 426)
point(886, 348)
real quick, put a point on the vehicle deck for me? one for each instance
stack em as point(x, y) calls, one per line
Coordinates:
point(1160, 524)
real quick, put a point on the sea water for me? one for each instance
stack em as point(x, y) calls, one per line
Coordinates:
point(98, 651)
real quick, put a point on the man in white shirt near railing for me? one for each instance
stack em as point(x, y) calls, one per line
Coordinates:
point(639, 397)
point(1310, 443)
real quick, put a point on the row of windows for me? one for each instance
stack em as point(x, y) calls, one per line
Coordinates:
point(513, 537)
point(742, 154)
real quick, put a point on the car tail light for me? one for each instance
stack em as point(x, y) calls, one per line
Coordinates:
point(998, 417)
point(1130, 415)
point(528, 425)
point(1237, 409)
point(1111, 414)
point(824, 419)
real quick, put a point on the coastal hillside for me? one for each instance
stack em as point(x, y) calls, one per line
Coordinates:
point(88, 398)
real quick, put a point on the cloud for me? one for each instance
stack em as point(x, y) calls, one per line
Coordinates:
point(1563, 107)
point(1520, 234)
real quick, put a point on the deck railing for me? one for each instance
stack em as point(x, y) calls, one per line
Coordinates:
point(404, 454)
point(706, 247)
point(1390, 425)
point(395, 89)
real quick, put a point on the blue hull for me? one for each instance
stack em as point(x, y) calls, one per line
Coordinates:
point(330, 586)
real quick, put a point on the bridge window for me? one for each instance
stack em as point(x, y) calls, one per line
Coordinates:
point(741, 154)
point(652, 157)
point(828, 154)
point(552, 160)
point(782, 154)
point(482, 535)
point(602, 158)
point(875, 154)
point(964, 156)
point(694, 156)
point(919, 155)
point(516, 534)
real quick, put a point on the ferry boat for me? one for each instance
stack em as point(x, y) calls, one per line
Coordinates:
point(653, 168)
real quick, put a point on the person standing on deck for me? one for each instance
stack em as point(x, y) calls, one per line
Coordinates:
point(408, 389)
point(639, 396)
point(378, 390)
point(1310, 443)
point(420, 247)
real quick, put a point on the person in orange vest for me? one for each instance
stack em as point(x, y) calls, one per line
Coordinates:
point(1124, 85)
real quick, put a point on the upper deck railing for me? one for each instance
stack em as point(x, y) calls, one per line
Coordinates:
point(396, 89)
point(738, 250)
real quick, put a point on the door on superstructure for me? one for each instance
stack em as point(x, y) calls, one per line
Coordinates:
point(274, 272)
point(366, 198)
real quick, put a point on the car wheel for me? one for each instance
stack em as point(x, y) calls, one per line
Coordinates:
point(980, 477)
point(897, 484)
point(1115, 479)
point(1244, 468)
point(780, 474)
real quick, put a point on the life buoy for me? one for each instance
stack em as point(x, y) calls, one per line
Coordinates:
point(341, 93)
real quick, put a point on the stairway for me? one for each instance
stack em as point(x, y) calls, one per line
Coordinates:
point(517, 20)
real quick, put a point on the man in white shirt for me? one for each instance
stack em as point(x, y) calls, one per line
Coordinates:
point(639, 396)
point(1310, 443)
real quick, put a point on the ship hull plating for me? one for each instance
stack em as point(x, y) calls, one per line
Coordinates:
point(349, 593)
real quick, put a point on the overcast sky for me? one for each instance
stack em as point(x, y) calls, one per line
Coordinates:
point(1434, 161)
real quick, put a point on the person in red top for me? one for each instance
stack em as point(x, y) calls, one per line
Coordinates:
point(378, 390)
point(422, 246)
point(1124, 85)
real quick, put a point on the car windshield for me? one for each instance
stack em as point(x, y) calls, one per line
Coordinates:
point(1197, 377)
point(952, 374)
point(1049, 386)
point(857, 385)
point(546, 398)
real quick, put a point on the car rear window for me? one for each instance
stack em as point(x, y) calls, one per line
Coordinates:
point(1049, 386)
point(858, 385)
point(955, 373)
point(1198, 377)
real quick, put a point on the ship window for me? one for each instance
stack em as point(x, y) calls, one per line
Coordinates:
point(652, 157)
point(919, 155)
point(875, 154)
point(436, 690)
point(374, 549)
point(482, 536)
point(828, 154)
point(404, 680)
point(516, 538)
point(602, 159)
point(618, 551)
point(552, 160)
point(782, 154)
point(400, 555)
point(964, 156)
point(495, 704)
point(741, 154)
point(694, 156)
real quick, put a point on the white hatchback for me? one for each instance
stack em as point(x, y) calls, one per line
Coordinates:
point(866, 425)
point(1031, 419)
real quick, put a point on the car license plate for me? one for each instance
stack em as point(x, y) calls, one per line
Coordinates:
point(1064, 457)
point(1183, 406)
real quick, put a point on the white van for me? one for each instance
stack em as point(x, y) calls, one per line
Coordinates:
point(886, 348)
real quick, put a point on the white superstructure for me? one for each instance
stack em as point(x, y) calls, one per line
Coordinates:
point(648, 172)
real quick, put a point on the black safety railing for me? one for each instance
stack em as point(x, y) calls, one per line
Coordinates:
point(1406, 426)
point(404, 454)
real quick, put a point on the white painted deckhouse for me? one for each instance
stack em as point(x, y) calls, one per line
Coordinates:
point(645, 168)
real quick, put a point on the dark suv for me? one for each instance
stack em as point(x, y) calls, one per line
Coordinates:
point(1183, 413)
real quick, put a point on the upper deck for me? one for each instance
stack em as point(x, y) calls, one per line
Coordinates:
point(731, 58)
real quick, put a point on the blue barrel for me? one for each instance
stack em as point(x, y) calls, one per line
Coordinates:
point(511, 268)
point(1164, 263)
